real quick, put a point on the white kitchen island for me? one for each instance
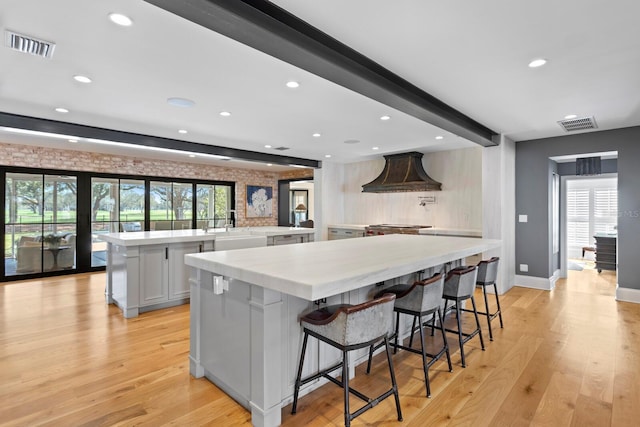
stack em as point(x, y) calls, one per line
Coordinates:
point(245, 306)
point(146, 270)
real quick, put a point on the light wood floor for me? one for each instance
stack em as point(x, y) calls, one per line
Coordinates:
point(566, 357)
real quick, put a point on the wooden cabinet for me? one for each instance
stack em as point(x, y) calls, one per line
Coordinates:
point(344, 233)
point(606, 257)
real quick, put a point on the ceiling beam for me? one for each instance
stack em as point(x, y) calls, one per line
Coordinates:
point(266, 27)
point(15, 121)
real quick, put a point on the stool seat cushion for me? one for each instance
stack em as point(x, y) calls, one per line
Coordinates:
point(323, 315)
point(352, 325)
point(398, 290)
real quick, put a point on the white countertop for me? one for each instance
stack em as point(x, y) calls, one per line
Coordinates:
point(140, 238)
point(464, 232)
point(322, 269)
point(359, 227)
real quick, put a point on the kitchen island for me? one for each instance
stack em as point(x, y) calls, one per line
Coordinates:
point(245, 306)
point(146, 271)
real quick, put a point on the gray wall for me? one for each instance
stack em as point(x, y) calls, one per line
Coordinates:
point(533, 188)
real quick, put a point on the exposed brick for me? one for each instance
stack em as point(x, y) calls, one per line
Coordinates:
point(70, 160)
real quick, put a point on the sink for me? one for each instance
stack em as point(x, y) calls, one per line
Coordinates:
point(238, 241)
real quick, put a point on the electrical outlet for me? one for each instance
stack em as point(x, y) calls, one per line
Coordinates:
point(523, 218)
point(524, 268)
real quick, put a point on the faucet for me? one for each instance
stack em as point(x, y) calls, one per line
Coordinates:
point(227, 224)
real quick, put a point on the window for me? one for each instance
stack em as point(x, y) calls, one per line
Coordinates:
point(592, 207)
point(50, 226)
point(214, 203)
point(117, 205)
point(40, 223)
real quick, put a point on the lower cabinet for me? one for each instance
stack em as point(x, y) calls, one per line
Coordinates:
point(289, 239)
point(344, 233)
point(164, 277)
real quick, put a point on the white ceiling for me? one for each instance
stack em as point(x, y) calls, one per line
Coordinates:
point(471, 55)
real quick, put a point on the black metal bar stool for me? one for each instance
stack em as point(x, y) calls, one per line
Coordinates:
point(487, 275)
point(420, 300)
point(349, 328)
point(459, 286)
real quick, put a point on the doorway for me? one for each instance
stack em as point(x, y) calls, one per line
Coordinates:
point(589, 219)
point(295, 201)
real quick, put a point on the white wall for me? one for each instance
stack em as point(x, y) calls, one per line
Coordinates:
point(499, 215)
point(458, 205)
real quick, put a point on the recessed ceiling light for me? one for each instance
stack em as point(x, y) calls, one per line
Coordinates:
point(327, 156)
point(73, 140)
point(383, 118)
point(181, 102)
point(225, 113)
point(439, 137)
point(120, 19)
point(537, 63)
point(267, 146)
point(375, 148)
point(82, 79)
point(570, 116)
point(183, 131)
point(269, 164)
point(316, 135)
point(293, 84)
point(192, 155)
point(62, 110)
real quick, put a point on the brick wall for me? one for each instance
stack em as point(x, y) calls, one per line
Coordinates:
point(49, 158)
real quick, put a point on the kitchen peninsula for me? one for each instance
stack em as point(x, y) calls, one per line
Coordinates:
point(146, 271)
point(245, 306)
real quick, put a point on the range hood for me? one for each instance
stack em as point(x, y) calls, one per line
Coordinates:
point(402, 172)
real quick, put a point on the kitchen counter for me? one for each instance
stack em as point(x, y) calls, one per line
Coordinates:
point(246, 305)
point(141, 238)
point(357, 227)
point(454, 232)
point(327, 268)
point(146, 269)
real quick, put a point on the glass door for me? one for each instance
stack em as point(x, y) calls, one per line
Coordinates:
point(40, 223)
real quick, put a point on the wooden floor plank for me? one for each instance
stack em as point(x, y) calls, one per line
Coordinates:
point(570, 356)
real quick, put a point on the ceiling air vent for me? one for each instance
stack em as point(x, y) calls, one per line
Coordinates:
point(578, 124)
point(30, 45)
point(281, 148)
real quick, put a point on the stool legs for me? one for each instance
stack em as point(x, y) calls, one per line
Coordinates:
point(296, 387)
point(464, 337)
point(344, 383)
point(345, 386)
point(491, 316)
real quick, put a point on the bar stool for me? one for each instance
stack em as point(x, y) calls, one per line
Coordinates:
point(349, 328)
point(419, 300)
point(459, 286)
point(487, 275)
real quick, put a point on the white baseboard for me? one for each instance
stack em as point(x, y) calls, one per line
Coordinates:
point(627, 294)
point(545, 284)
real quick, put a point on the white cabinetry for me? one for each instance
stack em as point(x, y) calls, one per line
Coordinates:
point(344, 233)
point(288, 239)
point(164, 277)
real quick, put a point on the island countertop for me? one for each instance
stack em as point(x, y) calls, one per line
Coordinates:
point(321, 269)
point(141, 238)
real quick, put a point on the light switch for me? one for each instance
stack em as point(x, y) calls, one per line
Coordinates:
point(523, 218)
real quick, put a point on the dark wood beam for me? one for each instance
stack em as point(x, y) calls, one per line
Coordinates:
point(82, 131)
point(272, 30)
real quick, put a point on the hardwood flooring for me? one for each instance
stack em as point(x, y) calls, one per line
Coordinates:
point(566, 357)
